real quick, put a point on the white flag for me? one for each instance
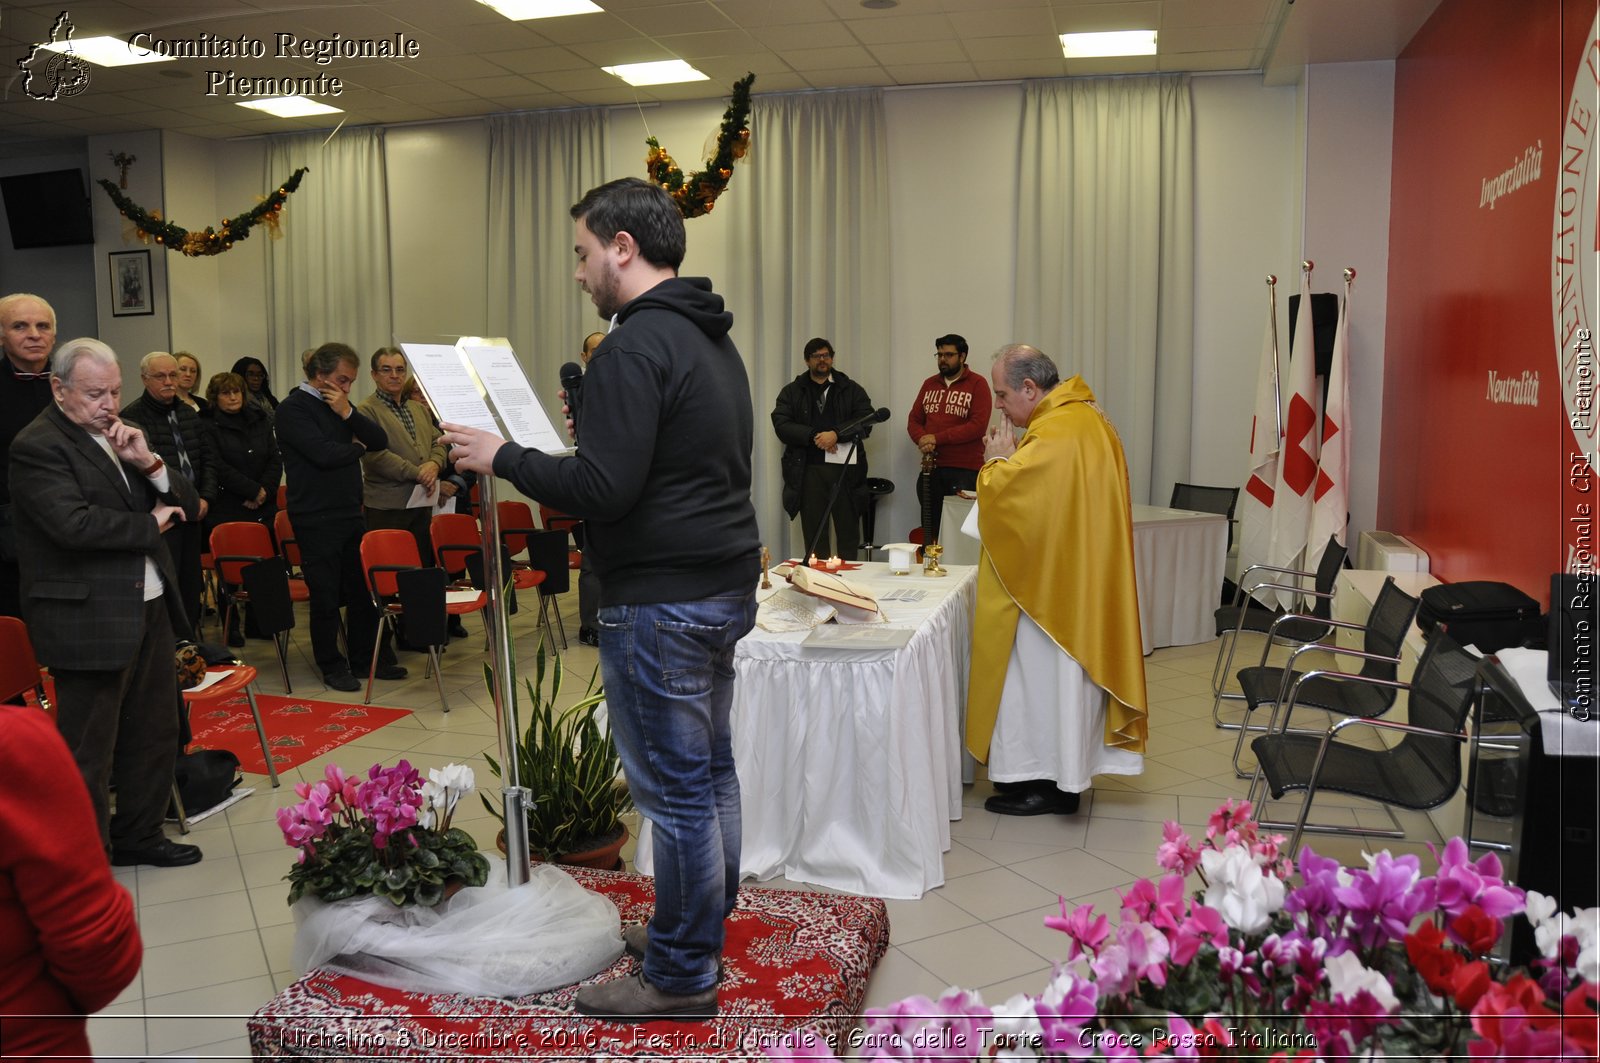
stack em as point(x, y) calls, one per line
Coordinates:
point(1297, 461)
point(1330, 507)
point(1255, 501)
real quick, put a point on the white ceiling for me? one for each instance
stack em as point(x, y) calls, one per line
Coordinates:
point(474, 61)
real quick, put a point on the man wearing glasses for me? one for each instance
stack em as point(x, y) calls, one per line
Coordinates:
point(27, 336)
point(809, 410)
point(177, 436)
point(413, 458)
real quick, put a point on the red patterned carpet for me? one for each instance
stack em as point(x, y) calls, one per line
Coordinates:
point(792, 960)
point(298, 729)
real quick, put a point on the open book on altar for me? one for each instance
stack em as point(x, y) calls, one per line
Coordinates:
point(855, 604)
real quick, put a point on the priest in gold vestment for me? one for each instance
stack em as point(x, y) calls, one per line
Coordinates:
point(1057, 693)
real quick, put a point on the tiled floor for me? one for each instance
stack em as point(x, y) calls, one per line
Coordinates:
point(219, 935)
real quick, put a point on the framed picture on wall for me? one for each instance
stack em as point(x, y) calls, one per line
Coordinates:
point(130, 284)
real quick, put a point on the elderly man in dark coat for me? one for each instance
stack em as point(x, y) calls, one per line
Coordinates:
point(100, 595)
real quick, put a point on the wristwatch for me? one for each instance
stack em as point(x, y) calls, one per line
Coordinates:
point(152, 470)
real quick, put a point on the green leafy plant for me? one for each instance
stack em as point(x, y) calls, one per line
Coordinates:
point(568, 765)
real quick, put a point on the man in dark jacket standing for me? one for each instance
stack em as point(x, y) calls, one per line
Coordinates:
point(662, 481)
point(177, 436)
point(27, 336)
point(99, 595)
point(322, 439)
point(810, 409)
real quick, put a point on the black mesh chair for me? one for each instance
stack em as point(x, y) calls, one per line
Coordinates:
point(1245, 615)
point(1421, 771)
point(1203, 499)
point(1382, 635)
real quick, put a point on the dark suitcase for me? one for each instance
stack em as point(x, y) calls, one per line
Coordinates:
point(1482, 613)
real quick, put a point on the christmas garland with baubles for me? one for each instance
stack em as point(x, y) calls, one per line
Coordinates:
point(696, 192)
point(208, 241)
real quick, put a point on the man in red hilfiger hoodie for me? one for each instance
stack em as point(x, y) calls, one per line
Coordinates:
point(948, 420)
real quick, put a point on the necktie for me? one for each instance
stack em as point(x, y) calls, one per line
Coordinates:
point(184, 465)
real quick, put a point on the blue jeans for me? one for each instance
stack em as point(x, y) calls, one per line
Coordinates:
point(668, 671)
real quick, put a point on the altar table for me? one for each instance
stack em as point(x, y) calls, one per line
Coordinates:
point(1179, 557)
point(849, 760)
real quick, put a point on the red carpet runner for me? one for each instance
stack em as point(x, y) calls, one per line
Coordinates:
point(298, 729)
point(793, 960)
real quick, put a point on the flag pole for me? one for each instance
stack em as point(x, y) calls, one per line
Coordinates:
point(1272, 318)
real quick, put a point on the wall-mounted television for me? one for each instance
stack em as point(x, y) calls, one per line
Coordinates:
point(48, 209)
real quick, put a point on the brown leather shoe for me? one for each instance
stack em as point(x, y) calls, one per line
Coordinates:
point(632, 999)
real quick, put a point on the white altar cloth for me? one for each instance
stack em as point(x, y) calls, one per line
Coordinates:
point(1179, 557)
point(849, 760)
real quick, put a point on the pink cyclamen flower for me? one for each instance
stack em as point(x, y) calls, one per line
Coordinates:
point(1461, 883)
point(1384, 899)
point(1177, 853)
point(1086, 930)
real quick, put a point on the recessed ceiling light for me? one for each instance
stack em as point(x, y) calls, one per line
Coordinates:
point(667, 72)
point(290, 106)
point(106, 51)
point(525, 10)
point(1100, 45)
point(880, 5)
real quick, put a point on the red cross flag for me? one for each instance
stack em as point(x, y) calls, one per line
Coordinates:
point(1297, 461)
point(1255, 502)
point(1330, 507)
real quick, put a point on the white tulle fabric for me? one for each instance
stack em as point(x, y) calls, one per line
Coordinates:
point(485, 941)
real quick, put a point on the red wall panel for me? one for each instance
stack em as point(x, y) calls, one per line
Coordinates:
point(1476, 429)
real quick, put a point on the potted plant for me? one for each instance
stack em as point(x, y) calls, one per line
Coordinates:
point(571, 769)
point(388, 835)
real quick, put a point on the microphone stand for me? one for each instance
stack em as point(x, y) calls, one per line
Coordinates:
point(827, 514)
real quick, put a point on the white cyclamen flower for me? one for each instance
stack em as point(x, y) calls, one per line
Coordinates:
point(1346, 978)
point(1017, 1027)
point(457, 777)
point(1246, 897)
point(432, 797)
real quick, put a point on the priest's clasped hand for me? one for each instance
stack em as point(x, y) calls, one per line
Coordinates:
point(1000, 441)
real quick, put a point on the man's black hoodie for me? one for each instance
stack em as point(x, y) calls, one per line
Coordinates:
point(662, 473)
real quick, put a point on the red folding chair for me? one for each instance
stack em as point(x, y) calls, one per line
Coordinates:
point(385, 553)
point(236, 545)
point(518, 534)
point(288, 545)
point(555, 520)
point(20, 674)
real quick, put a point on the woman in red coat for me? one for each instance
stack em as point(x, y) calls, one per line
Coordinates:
point(68, 940)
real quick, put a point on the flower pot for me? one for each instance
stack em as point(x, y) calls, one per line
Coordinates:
point(607, 857)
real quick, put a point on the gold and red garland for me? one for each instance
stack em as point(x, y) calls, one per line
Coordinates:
point(695, 193)
point(209, 241)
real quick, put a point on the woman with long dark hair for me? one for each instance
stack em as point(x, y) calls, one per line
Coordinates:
point(257, 387)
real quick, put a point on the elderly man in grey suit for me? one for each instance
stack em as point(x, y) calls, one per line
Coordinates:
point(100, 595)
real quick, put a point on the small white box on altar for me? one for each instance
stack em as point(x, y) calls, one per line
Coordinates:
point(902, 558)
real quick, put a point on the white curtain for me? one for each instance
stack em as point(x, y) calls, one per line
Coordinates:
point(540, 164)
point(810, 255)
point(328, 279)
point(1105, 256)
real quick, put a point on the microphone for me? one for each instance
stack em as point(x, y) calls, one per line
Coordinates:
point(572, 382)
point(850, 428)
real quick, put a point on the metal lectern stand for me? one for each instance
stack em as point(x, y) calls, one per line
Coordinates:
point(502, 689)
